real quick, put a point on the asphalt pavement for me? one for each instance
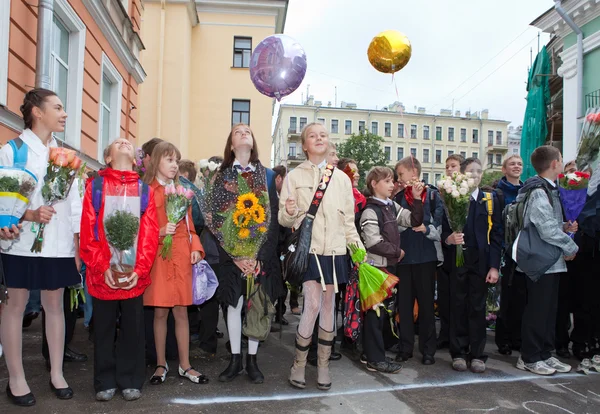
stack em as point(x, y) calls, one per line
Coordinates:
point(416, 389)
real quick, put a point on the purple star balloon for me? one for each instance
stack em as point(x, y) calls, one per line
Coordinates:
point(278, 66)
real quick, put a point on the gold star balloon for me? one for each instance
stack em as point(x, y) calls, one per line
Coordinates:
point(389, 51)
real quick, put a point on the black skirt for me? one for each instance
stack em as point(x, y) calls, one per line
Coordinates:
point(39, 273)
point(342, 269)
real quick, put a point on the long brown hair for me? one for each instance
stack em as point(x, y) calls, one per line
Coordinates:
point(229, 155)
point(163, 149)
point(35, 98)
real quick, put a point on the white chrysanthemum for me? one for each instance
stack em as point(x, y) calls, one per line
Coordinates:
point(463, 191)
point(464, 184)
point(455, 194)
point(203, 163)
point(454, 187)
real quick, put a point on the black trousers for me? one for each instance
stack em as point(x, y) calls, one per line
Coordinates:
point(443, 302)
point(467, 309)
point(119, 364)
point(539, 319)
point(294, 297)
point(513, 297)
point(70, 321)
point(372, 335)
point(416, 281)
point(586, 307)
point(563, 313)
point(209, 319)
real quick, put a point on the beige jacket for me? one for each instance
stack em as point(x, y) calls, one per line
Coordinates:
point(333, 228)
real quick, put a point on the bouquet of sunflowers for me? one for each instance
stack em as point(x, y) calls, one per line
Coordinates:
point(236, 209)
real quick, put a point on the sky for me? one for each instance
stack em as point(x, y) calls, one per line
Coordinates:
point(475, 52)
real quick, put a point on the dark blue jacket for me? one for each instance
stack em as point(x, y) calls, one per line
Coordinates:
point(417, 247)
point(476, 235)
point(509, 190)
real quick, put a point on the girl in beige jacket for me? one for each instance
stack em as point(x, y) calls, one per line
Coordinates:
point(333, 230)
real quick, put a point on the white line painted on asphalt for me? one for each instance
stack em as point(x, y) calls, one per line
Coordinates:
point(526, 403)
point(399, 387)
point(564, 385)
point(482, 410)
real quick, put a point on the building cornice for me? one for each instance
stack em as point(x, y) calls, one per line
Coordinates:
point(581, 11)
point(569, 57)
point(380, 112)
point(124, 40)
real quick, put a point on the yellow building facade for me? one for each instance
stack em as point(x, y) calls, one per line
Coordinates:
point(430, 138)
point(198, 84)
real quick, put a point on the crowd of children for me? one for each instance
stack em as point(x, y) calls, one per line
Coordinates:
point(400, 221)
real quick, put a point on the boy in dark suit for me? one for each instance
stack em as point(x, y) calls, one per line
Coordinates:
point(482, 244)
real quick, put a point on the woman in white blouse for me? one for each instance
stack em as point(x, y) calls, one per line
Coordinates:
point(50, 271)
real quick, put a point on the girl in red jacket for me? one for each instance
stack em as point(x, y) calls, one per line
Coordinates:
point(118, 191)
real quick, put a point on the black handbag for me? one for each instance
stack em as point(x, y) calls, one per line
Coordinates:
point(297, 250)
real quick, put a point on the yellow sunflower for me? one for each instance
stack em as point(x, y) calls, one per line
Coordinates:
point(241, 218)
point(262, 229)
point(247, 202)
point(244, 233)
point(258, 214)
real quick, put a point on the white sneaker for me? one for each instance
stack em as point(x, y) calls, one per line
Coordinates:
point(539, 368)
point(558, 366)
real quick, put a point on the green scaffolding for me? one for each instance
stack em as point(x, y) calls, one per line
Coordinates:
point(535, 129)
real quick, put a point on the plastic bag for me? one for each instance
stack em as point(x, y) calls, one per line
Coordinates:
point(204, 282)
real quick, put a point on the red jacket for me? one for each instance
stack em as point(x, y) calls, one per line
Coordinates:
point(96, 253)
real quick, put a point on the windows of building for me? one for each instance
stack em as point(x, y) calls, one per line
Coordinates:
point(242, 51)
point(240, 112)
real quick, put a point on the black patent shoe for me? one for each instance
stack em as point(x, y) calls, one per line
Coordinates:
point(219, 334)
point(234, 369)
point(159, 379)
point(335, 356)
point(26, 400)
point(61, 393)
point(74, 356)
point(563, 353)
point(256, 377)
point(505, 349)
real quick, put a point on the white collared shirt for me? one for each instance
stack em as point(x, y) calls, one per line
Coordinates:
point(58, 235)
point(252, 167)
point(386, 201)
point(550, 181)
point(475, 194)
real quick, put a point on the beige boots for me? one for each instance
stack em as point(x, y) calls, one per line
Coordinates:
point(323, 353)
point(297, 371)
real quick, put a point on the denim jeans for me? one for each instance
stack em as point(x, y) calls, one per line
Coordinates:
point(35, 302)
point(87, 306)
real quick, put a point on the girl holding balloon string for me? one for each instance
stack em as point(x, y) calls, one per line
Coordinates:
point(333, 230)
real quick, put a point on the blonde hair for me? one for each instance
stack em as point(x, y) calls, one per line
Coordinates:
point(304, 133)
point(505, 162)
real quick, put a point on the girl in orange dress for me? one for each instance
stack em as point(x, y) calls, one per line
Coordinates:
point(171, 287)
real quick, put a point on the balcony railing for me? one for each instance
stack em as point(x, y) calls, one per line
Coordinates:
point(292, 131)
point(592, 100)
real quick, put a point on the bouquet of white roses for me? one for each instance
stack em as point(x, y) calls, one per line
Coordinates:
point(207, 170)
point(456, 192)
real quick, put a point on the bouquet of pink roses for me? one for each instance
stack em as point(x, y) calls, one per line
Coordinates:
point(178, 201)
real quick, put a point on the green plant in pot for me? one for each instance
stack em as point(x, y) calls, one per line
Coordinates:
point(121, 230)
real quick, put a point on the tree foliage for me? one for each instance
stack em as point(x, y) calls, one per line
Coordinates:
point(365, 148)
point(489, 177)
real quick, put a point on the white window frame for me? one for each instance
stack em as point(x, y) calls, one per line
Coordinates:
point(397, 148)
point(475, 154)
point(425, 176)
point(107, 68)
point(416, 131)
point(453, 133)
point(390, 124)
point(331, 126)
point(348, 133)
point(478, 136)
point(438, 177)
point(69, 18)
point(441, 133)
point(410, 151)
point(290, 127)
point(403, 134)
point(300, 127)
point(441, 156)
point(388, 147)
point(365, 127)
point(322, 123)
point(466, 135)
point(428, 138)
point(428, 155)
point(375, 122)
point(4, 37)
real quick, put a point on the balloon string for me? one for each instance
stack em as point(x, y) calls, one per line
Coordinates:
point(401, 108)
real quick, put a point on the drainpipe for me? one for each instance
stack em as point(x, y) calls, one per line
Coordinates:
point(577, 30)
point(44, 42)
point(161, 64)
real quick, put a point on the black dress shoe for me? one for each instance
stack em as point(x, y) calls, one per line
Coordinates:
point(61, 393)
point(505, 349)
point(401, 357)
point(26, 400)
point(282, 320)
point(563, 353)
point(28, 318)
point(219, 334)
point(580, 351)
point(73, 356)
point(428, 360)
point(256, 377)
point(335, 356)
point(234, 369)
point(443, 344)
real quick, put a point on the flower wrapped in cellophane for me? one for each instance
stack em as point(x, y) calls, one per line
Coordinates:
point(573, 194)
point(139, 162)
point(207, 169)
point(456, 192)
point(374, 285)
point(63, 168)
point(178, 200)
point(237, 211)
point(589, 142)
point(16, 186)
